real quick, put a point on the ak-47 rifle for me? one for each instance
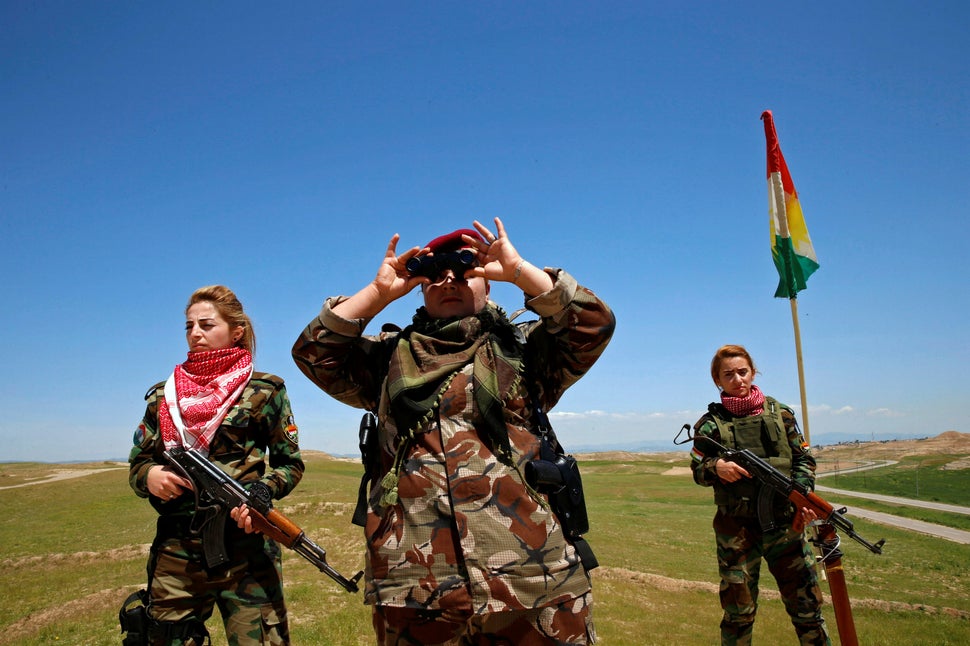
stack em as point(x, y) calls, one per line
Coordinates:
point(829, 518)
point(775, 482)
point(216, 494)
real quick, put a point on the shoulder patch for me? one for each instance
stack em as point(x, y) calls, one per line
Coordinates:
point(140, 433)
point(291, 431)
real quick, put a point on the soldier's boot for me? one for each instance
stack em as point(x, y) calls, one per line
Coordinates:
point(737, 633)
point(812, 634)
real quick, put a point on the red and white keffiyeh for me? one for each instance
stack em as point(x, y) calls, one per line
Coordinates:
point(199, 393)
point(753, 404)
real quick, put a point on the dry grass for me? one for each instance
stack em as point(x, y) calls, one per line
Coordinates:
point(72, 549)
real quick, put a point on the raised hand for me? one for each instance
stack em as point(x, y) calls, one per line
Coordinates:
point(497, 257)
point(499, 260)
point(391, 282)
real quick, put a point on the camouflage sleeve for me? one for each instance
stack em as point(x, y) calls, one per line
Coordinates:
point(701, 465)
point(335, 355)
point(286, 464)
point(803, 462)
point(575, 330)
point(143, 454)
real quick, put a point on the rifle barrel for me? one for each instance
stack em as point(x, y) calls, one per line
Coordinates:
point(312, 552)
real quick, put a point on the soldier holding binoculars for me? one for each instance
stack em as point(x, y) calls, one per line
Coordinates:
point(459, 546)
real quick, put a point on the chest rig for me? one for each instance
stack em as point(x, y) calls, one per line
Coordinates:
point(765, 436)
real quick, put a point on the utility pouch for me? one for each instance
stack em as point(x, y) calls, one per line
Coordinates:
point(134, 619)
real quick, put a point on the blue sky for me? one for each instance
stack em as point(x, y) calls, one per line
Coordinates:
point(151, 148)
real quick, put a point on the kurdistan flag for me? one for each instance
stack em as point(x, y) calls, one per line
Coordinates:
point(791, 248)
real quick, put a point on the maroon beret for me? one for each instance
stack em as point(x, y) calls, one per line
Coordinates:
point(452, 241)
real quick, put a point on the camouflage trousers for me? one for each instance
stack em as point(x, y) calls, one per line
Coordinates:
point(741, 547)
point(248, 591)
point(563, 624)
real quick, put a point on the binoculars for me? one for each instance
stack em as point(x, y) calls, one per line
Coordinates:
point(433, 265)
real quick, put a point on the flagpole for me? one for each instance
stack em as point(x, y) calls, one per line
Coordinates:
point(801, 368)
point(791, 247)
point(794, 257)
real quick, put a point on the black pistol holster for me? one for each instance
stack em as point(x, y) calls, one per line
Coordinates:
point(556, 474)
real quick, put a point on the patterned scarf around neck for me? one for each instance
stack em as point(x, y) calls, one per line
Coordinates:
point(199, 394)
point(432, 351)
point(753, 404)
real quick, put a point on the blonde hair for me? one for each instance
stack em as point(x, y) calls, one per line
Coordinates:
point(727, 352)
point(229, 308)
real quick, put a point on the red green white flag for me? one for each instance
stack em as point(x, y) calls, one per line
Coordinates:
point(791, 248)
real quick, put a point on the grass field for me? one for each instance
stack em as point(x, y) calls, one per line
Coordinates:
point(71, 550)
point(917, 477)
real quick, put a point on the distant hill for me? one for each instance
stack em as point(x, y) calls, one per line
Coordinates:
point(949, 442)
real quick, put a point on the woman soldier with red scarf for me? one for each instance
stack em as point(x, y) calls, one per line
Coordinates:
point(747, 419)
point(214, 402)
point(459, 548)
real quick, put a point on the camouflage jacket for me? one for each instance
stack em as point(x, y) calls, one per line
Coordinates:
point(465, 533)
point(259, 423)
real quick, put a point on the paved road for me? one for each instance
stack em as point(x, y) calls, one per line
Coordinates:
point(949, 533)
point(932, 529)
point(858, 466)
point(909, 502)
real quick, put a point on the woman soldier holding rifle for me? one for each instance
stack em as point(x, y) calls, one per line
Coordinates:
point(747, 419)
point(241, 420)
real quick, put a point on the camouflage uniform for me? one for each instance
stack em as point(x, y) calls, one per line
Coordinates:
point(742, 544)
point(249, 588)
point(465, 538)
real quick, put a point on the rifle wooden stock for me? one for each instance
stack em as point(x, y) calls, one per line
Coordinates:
point(810, 500)
point(277, 526)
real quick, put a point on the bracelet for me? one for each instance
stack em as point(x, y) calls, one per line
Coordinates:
point(518, 271)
